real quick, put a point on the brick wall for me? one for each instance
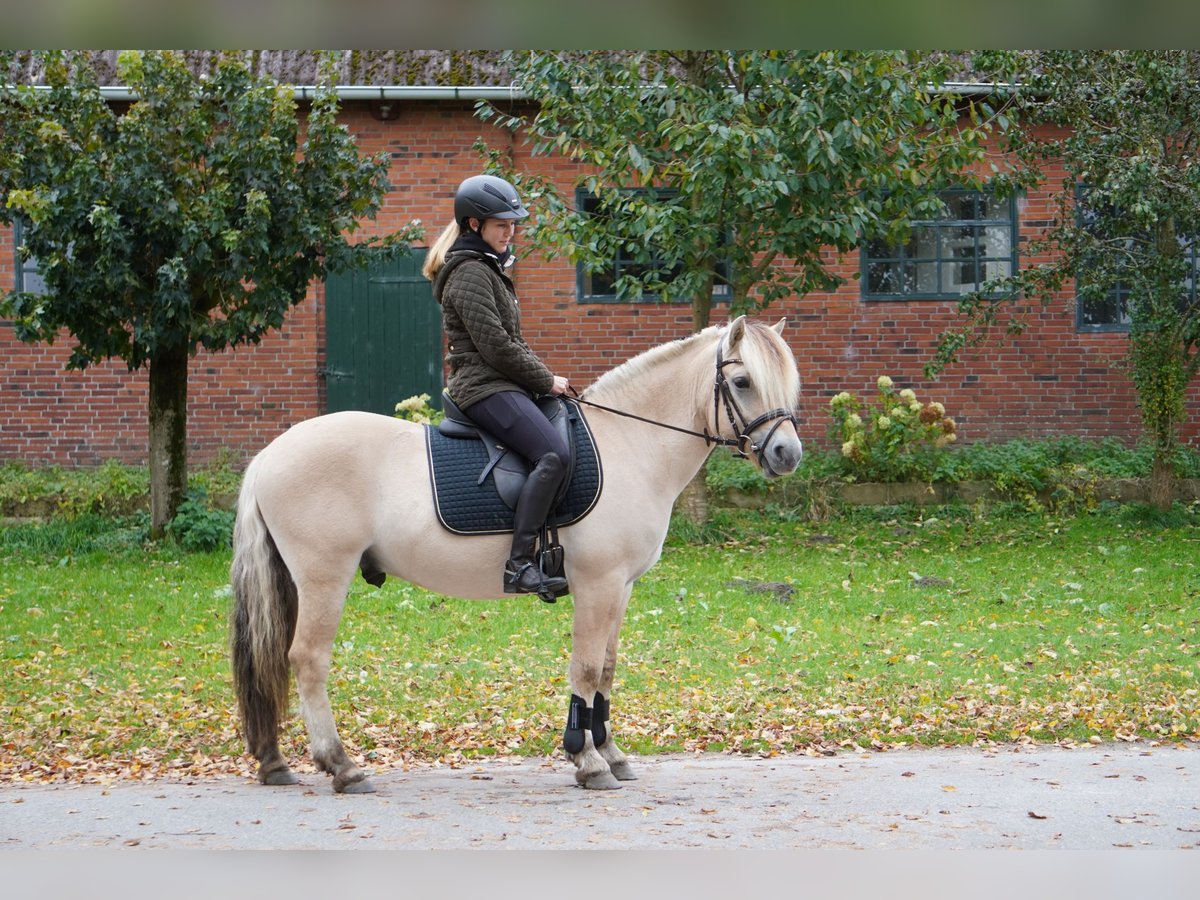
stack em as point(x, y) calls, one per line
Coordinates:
point(1049, 381)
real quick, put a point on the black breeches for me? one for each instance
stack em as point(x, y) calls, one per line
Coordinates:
point(517, 422)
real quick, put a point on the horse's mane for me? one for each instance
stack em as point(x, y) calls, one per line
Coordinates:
point(766, 356)
point(614, 381)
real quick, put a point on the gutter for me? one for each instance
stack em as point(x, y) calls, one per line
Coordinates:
point(510, 92)
point(368, 92)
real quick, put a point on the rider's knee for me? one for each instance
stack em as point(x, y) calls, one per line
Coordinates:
point(551, 466)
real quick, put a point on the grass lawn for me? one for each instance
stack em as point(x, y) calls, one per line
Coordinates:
point(875, 629)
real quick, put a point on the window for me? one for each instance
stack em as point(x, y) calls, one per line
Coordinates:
point(28, 277)
point(972, 243)
point(1110, 312)
point(600, 286)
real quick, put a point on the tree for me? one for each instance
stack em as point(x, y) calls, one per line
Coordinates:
point(196, 217)
point(745, 167)
point(1124, 131)
point(738, 168)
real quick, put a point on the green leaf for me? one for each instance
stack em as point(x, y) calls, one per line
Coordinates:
point(814, 127)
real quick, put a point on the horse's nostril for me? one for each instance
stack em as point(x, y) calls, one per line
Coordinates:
point(785, 456)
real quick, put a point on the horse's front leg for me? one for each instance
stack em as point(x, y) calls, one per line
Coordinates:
point(618, 764)
point(598, 616)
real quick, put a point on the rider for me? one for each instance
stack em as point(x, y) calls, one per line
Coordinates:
point(494, 375)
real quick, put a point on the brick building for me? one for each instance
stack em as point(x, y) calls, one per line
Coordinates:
point(1063, 376)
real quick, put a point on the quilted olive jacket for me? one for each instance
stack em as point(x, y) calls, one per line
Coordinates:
point(483, 325)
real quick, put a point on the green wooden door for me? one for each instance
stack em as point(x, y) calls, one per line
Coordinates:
point(383, 337)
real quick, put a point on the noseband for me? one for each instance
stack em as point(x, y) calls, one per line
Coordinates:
point(742, 430)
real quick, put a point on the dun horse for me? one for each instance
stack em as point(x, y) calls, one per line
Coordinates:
point(341, 489)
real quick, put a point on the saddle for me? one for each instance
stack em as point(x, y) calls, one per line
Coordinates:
point(507, 468)
point(476, 480)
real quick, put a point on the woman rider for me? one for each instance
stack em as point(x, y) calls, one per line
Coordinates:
point(494, 375)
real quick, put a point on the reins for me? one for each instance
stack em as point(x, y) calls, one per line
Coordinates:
point(703, 435)
point(721, 392)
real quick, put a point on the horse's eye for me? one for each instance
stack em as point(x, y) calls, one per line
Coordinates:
point(741, 382)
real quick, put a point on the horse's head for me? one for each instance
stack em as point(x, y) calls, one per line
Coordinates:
point(756, 395)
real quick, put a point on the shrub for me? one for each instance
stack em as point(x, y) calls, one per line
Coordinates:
point(417, 409)
point(111, 488)
point(199, 527)
point(19, 484)
point(220, 476)
point(1057, 472)
point(894, 438)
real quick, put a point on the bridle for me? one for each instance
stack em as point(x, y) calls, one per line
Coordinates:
point(722, 393)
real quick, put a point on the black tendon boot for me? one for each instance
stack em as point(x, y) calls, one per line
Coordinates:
point(522, 574)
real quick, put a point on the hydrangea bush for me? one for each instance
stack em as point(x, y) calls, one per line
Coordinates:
point(895, 437)
point(417, 409)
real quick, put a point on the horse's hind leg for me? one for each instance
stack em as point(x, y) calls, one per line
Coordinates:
point(311, 655)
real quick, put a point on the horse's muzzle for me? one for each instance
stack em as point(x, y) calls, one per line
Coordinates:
point(781, 457)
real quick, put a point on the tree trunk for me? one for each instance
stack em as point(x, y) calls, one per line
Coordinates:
point(702, 310)
point(1162, 481)
point(693, 502)
point(168, 436)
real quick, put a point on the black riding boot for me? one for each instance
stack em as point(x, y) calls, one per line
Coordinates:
point(522, 575)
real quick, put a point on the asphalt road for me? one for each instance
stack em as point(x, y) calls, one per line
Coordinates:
point(1129, 796)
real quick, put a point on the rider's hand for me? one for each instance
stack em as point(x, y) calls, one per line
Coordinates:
point(560, 385)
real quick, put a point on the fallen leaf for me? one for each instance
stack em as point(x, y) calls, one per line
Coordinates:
point(1034, 815)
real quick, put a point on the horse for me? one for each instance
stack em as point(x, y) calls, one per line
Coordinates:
point(345, 490)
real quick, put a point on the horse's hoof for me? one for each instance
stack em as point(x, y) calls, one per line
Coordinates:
point(359, 784)
point(279, 777)
point(623, 771)
point(366, 786)
point(601, 781)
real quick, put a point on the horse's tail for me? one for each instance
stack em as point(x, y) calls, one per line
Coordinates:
point(262, 624)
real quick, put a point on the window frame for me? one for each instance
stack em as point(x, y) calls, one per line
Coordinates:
point(943, 225)
point(722, 292)
point(25, 270)
point(1118, 293)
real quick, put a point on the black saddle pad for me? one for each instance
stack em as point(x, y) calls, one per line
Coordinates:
point(465, 507)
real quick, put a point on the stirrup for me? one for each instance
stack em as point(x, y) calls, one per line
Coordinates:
point(548, 588)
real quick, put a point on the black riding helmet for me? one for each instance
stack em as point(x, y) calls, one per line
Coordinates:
point(487, 197)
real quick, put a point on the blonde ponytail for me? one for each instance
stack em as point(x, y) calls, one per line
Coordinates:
point(436, 257)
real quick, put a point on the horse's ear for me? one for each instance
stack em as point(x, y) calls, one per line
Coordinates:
point(778, 326)
point(737, 331)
